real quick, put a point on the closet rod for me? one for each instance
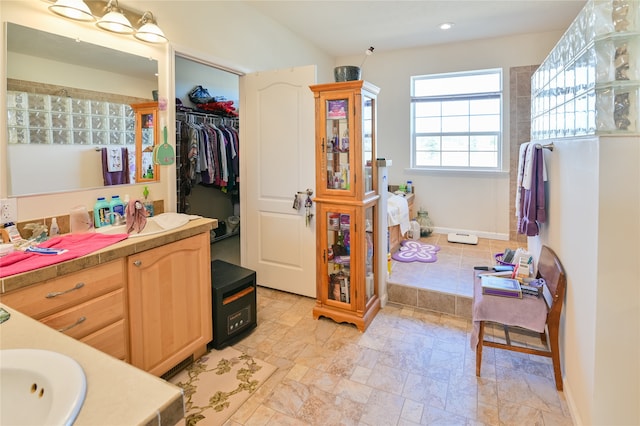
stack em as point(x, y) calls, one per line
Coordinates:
point(210, 118)
point(205, 115)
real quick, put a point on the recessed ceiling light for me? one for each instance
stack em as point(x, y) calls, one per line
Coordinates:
point(446, 25)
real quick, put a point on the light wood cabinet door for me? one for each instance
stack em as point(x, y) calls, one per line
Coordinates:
point(346, 285)
point(170, 303)
point(346, 140)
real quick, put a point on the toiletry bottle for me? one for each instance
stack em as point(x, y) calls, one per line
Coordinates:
point(148, 202)
point(54, 229)
point(101, 212)
point(409, 187)
point(117, 206)
point(12, 232)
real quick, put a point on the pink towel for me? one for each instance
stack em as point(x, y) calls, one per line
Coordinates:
point(136, 216)
point(77, 245)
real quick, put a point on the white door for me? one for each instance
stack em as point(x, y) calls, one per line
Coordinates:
point(277, 132)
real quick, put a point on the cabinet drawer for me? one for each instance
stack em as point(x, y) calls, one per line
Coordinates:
point(110, 339)
point(79, 321)
point(44, 299)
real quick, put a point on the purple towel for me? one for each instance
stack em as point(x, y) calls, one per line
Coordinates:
point(115, 178)
point(529, 312)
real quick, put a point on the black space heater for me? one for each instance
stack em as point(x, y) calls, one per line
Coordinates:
point(233, 294)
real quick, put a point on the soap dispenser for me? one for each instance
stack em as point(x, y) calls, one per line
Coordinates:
point(148, 202)
point(117, 206)
point(54, 229)
point(101, 212)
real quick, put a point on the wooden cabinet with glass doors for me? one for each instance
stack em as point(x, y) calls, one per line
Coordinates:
point(147, 137)
point(345, 140)
point(347, 201)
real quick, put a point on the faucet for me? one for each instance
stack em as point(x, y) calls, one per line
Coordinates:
point(119, 219)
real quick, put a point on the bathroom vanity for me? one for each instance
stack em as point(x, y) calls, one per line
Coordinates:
point(117, 393)
point(144, 300)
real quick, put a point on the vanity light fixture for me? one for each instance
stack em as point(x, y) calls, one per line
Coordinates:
point(72, 9)
point(149, 31)
point(111, 17)
point(114, 20)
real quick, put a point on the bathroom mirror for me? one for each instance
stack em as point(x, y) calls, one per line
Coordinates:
point(59, 67)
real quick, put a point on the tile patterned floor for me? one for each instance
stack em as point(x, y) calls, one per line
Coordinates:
point(410, 367)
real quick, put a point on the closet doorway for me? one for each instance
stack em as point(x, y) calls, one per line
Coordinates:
point(207, 174)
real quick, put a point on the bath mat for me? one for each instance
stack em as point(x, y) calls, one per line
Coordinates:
point(415, 251)
point(218, 383)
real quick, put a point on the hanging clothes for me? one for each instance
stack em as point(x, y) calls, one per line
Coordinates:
point(210, 147)
point(184, 182)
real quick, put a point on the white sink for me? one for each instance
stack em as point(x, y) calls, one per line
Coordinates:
point(156, 224)
point(40, 387)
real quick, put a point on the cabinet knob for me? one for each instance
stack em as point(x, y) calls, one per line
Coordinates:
point(137, 263)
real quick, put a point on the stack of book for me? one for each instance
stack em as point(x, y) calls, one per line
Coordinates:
point(501, 286)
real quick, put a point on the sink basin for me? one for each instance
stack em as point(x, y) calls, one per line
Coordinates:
point(40, 387)
point(156, 224)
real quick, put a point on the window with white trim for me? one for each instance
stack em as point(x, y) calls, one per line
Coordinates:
point(456, 120)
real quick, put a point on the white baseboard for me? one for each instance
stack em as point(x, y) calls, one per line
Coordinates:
point(479, 234)
point(384, 298)
point(573, 411)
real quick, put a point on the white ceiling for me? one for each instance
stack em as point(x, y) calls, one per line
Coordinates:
point(345, 28)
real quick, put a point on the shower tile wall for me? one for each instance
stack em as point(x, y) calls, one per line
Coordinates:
point(519, 132)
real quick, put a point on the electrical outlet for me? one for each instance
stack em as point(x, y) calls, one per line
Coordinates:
point(8, 210)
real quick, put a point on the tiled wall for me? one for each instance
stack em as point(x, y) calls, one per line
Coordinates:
point(63, 221)
point(447, 303)
point(519, 132)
